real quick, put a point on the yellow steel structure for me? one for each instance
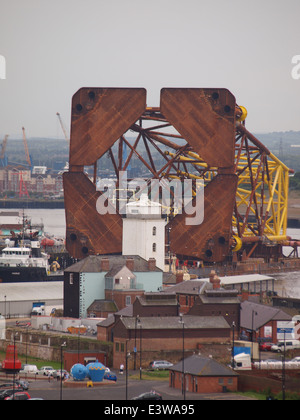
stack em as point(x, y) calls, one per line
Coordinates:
point(261, 209)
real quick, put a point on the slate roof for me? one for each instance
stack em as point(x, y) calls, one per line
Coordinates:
point(189, 287)
point(92, 264)
point(173, 322)
point(103, 306)
point(204, 367)
point(158, 299)
point(263, 315)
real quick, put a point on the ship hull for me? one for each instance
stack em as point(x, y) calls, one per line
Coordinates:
point(26, 275)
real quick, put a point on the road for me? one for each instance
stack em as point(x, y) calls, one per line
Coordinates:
point(117, 392)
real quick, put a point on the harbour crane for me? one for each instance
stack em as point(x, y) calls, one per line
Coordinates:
point(3, 157)
point(28, 158)
point(63, 127)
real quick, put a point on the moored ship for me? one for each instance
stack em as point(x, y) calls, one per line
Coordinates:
point(23, 261)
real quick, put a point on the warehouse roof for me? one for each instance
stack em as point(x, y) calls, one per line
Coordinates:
point(51, 290)
point(173, 322)
point(203, 366)
point(261, 315)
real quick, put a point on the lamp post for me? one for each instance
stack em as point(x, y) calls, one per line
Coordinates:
point(137, 320)
point(232, 355)
point(61, 367)
point(183, 348)
point(126, 365)
point(283, 366)
point(140, 325)
point(252, 335)
point(26, 348)
point(15, 335)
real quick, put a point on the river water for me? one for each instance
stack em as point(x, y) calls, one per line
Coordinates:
point(287, 284)
point(53, 219)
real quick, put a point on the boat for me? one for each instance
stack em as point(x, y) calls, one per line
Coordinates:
point(22, 260)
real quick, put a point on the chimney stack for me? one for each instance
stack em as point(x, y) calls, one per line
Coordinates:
point(152, 264)
point(215, 280)
point(130, 264)
point(104, 264)
point(179, 277)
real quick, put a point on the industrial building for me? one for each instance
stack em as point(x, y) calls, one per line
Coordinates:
point(18, 299)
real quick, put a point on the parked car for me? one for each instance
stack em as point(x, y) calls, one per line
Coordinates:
point(46, 370)
point(8, 392)
point(110, 376)
point(57, 374)
point(152, 395)
point(289, 345)
point(160, 365)
point(19, 396)
point(266, 346)
point(29, 369)
point(23, 384)
point(296, 360)
point(23, 323)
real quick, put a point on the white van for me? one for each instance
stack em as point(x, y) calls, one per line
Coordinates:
point(29, 369)
point(289, 345)
point(242, 361)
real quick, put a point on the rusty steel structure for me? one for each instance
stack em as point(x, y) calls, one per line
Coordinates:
point(198, 134)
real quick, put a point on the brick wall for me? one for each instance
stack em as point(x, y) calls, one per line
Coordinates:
point(203, 385)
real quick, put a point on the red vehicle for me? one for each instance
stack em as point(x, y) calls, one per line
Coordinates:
point(266, 346)
point(19, 396)
point(11, 364)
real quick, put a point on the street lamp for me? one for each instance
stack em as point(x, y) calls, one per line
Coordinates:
point(252, 335)
point(283, 366)
point(127, 357)
point(140, 325)
point(137, 320)
point(15, 335)
point(61, 367)
point(181, 321)
point(232, 355)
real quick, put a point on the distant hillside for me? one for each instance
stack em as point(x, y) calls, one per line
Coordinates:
point(280, 144)
point(52, 152)
point(43, 151)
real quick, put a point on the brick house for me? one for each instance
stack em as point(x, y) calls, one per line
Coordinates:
point(260, 321)
point(115, 278)
point(156, 304)
point(203, 375)
point(218, 302)
point(187, 292)
point(156, 334)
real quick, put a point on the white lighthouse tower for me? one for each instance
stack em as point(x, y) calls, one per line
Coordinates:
point(144, 231)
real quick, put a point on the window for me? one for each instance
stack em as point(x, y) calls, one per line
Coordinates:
point(117, 281)
point(118, 347)
point(154, 231)
point(128, 300)
point(71, 278)
point(221, 381)
point(154, 247)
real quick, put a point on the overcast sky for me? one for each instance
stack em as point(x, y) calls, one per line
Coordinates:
point(54, 47)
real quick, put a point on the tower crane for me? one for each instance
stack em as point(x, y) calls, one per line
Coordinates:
point(28, 158)
point(63, 127)
point(3, 158)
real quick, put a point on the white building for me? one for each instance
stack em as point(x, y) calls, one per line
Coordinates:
point(144, 231)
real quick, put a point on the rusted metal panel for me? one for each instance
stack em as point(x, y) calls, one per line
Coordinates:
point(210, 241)
point(206, 119)
point(99, 117)
point(88, 233)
